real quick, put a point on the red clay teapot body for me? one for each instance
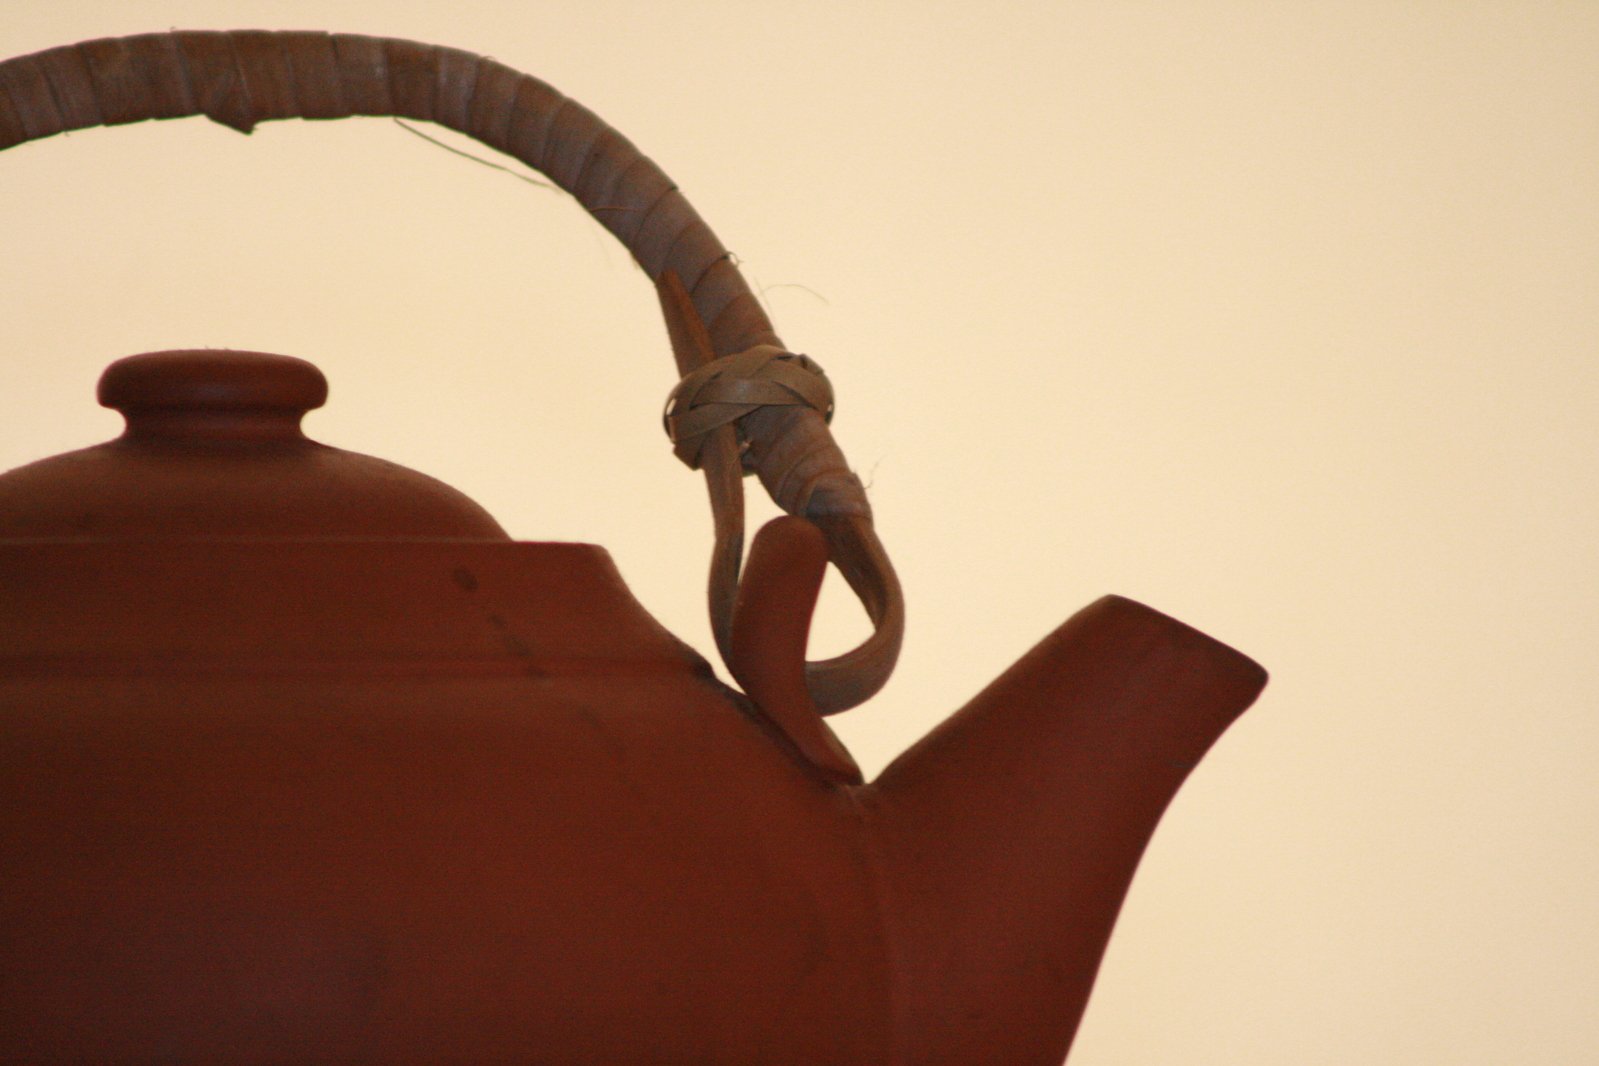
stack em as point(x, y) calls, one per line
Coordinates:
point(312, 791)
point(302, 759)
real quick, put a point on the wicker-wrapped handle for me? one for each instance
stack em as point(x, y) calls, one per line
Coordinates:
point(241, 78)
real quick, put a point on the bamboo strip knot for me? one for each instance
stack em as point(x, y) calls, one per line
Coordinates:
point(726, 389)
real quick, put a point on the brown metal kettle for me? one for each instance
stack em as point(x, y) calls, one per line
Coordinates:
point(303, 759)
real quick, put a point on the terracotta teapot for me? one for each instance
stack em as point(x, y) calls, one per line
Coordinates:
point(302, 759)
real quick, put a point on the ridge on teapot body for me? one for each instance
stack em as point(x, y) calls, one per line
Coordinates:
point(301, 757)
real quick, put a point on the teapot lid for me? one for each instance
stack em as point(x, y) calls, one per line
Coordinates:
point(213, 449)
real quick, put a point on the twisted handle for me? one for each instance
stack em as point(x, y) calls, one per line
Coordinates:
point(241, 78)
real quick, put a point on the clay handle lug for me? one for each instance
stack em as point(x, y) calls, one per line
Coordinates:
point(771, 624)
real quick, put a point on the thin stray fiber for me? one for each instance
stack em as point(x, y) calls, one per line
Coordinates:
point(796, 285)
point(408, 128)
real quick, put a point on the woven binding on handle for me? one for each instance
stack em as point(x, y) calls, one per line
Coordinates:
point(245, 77)
point(726, 389)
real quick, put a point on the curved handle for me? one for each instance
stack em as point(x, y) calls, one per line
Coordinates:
point(241, 78)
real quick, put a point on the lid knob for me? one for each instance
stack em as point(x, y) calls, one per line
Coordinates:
point(212, 392)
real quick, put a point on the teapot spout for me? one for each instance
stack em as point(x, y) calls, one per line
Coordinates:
point(1009, 835)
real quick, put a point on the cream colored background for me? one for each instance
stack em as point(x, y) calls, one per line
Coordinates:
point(1279, 317)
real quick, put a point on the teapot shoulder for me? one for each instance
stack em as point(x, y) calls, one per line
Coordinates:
point(324, 605)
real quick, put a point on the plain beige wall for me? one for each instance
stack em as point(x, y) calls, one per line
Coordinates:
point(1278, 317)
